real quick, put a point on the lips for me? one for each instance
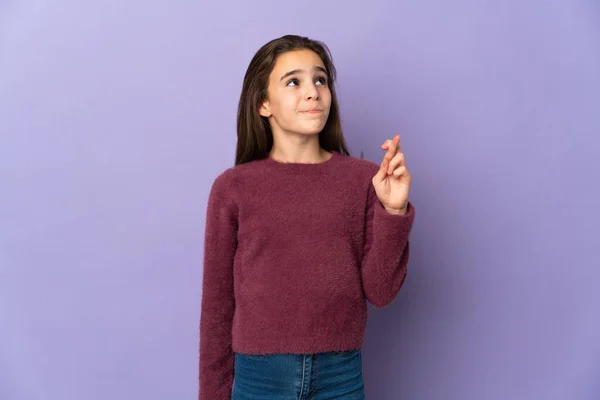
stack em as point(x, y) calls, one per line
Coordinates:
point(312, 111)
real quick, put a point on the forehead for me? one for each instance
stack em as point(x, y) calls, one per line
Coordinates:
point(297, 59)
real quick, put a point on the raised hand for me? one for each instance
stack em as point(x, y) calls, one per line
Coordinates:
point(392, 181)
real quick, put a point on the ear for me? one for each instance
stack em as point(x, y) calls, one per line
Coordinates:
point(265, 110)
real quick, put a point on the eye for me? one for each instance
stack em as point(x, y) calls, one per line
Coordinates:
point(294, 81)
point(322, 80)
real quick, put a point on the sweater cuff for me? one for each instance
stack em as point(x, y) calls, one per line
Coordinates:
point(394, 224)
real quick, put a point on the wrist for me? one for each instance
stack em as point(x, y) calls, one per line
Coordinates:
point(397, 211)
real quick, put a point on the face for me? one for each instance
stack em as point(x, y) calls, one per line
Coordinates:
point(298, 94)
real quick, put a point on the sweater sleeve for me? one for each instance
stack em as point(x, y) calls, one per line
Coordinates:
point(386, 251)
point(218, 303)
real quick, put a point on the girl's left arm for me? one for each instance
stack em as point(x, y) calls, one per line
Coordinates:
point(386, 251)
point(389, 221)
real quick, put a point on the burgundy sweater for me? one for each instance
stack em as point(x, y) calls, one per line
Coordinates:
point(292, 254)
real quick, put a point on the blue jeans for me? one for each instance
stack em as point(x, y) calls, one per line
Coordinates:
point(322, 376)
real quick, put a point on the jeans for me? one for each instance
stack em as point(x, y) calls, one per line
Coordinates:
point(322, 376)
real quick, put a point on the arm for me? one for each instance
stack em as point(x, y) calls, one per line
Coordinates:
point(218, 304)
point(386, 254)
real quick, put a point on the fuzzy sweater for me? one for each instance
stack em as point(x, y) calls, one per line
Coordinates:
point(292, 254)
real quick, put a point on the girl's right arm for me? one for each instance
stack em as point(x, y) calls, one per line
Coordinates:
point(216, 354)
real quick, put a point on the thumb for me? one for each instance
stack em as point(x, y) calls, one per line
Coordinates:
point(382, 173)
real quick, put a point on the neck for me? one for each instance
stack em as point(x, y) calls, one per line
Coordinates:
point(309, 152)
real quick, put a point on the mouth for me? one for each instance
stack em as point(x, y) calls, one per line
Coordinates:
point(312, 111)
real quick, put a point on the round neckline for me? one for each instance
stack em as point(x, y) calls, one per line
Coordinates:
point(284, 164)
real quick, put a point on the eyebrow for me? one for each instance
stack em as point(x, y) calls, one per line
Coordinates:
point(297, 71)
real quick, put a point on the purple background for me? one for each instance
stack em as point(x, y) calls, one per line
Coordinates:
point(115, 117)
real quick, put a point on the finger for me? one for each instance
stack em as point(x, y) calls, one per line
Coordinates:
point(386, 145)
point(395, 142)
point(397, 161)
point(382, 173)
point(393, 147)
point(401, 170)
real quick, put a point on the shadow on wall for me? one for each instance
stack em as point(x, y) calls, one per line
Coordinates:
point(409, 333)
point(416, 329)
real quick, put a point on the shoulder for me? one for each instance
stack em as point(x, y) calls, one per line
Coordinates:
point(232, 178)
point(224, 181)
point(360, 166)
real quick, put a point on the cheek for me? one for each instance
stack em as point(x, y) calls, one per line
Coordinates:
point(326, 96)
point(288, 103)
point(281, 102)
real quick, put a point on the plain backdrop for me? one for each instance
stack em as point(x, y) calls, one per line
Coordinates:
point(115, 117)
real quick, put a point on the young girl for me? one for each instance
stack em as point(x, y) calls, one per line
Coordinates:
point(299, 236)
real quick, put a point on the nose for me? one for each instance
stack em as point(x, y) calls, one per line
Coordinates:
point(312, 93)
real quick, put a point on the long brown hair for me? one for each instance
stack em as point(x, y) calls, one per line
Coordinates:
point(255, 138)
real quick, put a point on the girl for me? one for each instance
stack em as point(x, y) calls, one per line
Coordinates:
point(299, 236)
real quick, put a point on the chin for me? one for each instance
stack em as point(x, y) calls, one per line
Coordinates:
point(313, 130)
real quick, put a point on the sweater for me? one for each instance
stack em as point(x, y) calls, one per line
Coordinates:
point(292, 254)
